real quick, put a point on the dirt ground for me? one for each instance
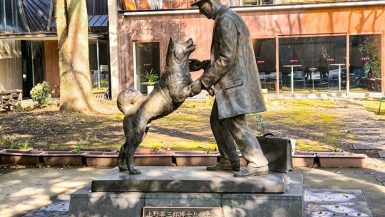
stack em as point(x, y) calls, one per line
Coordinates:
point(315, 124)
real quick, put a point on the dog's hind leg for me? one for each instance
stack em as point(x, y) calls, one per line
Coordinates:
point(122, 162)
point(128, 132)
point(130, 161)
point(130, 152)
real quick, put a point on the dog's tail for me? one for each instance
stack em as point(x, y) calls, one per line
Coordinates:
point(129, 101)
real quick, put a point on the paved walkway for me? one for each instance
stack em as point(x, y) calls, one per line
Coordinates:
point(370, 182)
point(45, 191)
point(24, 190)
point(367, 133)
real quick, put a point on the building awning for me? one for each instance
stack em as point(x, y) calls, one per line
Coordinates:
point(44, 36)
point(29, 35)
point(98, 23)
point(36, 14)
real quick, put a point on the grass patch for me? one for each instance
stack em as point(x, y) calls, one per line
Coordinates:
point(310, 145)
point(154, 143)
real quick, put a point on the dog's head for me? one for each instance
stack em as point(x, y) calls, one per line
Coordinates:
point(179, 52)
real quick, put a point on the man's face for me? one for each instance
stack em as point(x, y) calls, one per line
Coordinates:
point(206, 9)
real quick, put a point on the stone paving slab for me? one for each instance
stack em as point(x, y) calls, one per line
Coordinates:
point(382, 154)
point(368, 147)
point(369, 142)
point(332, 202)
point(371, 137)
point(58, 208)
point(380, 177)
point(363, 128)
point(362, 132)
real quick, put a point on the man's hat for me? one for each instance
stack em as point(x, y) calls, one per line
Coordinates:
point(198, 2)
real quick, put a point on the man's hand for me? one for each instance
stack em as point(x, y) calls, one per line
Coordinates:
point(195, 65)
point(206, 64)
point(196, 87)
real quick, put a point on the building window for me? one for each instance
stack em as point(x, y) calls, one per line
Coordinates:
point(309, 63)
point(132, 5)
point(98, 56)
point(155, 4)
point(365, 63)
point(147, 65)
point(10, 16)
point(264, 50)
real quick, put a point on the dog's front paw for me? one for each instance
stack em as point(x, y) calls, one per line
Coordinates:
point(135, 172)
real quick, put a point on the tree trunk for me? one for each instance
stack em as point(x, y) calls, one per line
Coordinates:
point(72, 31)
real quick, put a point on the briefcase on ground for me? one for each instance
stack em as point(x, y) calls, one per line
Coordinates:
point(277, 151)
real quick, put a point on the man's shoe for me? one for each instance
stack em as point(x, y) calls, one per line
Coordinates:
point(221, 166)
point(225, 165)
point(236, 166)
point(252, 171)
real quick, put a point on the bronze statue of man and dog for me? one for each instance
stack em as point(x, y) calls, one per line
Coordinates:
point(231, 75)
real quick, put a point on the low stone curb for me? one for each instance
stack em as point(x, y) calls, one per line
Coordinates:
point(166, 158)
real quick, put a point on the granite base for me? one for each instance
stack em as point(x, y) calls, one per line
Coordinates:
point(130, 203)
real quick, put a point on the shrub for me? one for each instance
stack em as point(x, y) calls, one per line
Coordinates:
point(104, 83)
point(151, 76)
point(261, 123)
point(19, 108)
point(14, 144)
point(78, 148)
point(26, 145)
point(41, 93)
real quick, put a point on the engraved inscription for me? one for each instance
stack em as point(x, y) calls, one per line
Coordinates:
point(182, 212)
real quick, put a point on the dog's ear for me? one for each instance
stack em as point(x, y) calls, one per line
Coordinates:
point(189, 41)
point(170, 50)
point(171, 43)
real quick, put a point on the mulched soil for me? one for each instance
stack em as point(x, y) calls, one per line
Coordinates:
point(316, 122)
point(51, 129)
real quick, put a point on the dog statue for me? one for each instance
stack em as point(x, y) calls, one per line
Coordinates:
point(169, 93)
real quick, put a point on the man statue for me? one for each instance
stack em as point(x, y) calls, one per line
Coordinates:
point(232, 75)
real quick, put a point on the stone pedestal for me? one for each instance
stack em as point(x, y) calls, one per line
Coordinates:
point(120, 194)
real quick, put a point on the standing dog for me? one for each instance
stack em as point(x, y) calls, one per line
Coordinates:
point(169, 93)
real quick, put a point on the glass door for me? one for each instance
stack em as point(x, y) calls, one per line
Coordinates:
point(146, 65)
point(365, 63)
point(32, 64)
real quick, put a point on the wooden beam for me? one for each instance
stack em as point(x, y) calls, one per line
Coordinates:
point(277, 80)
